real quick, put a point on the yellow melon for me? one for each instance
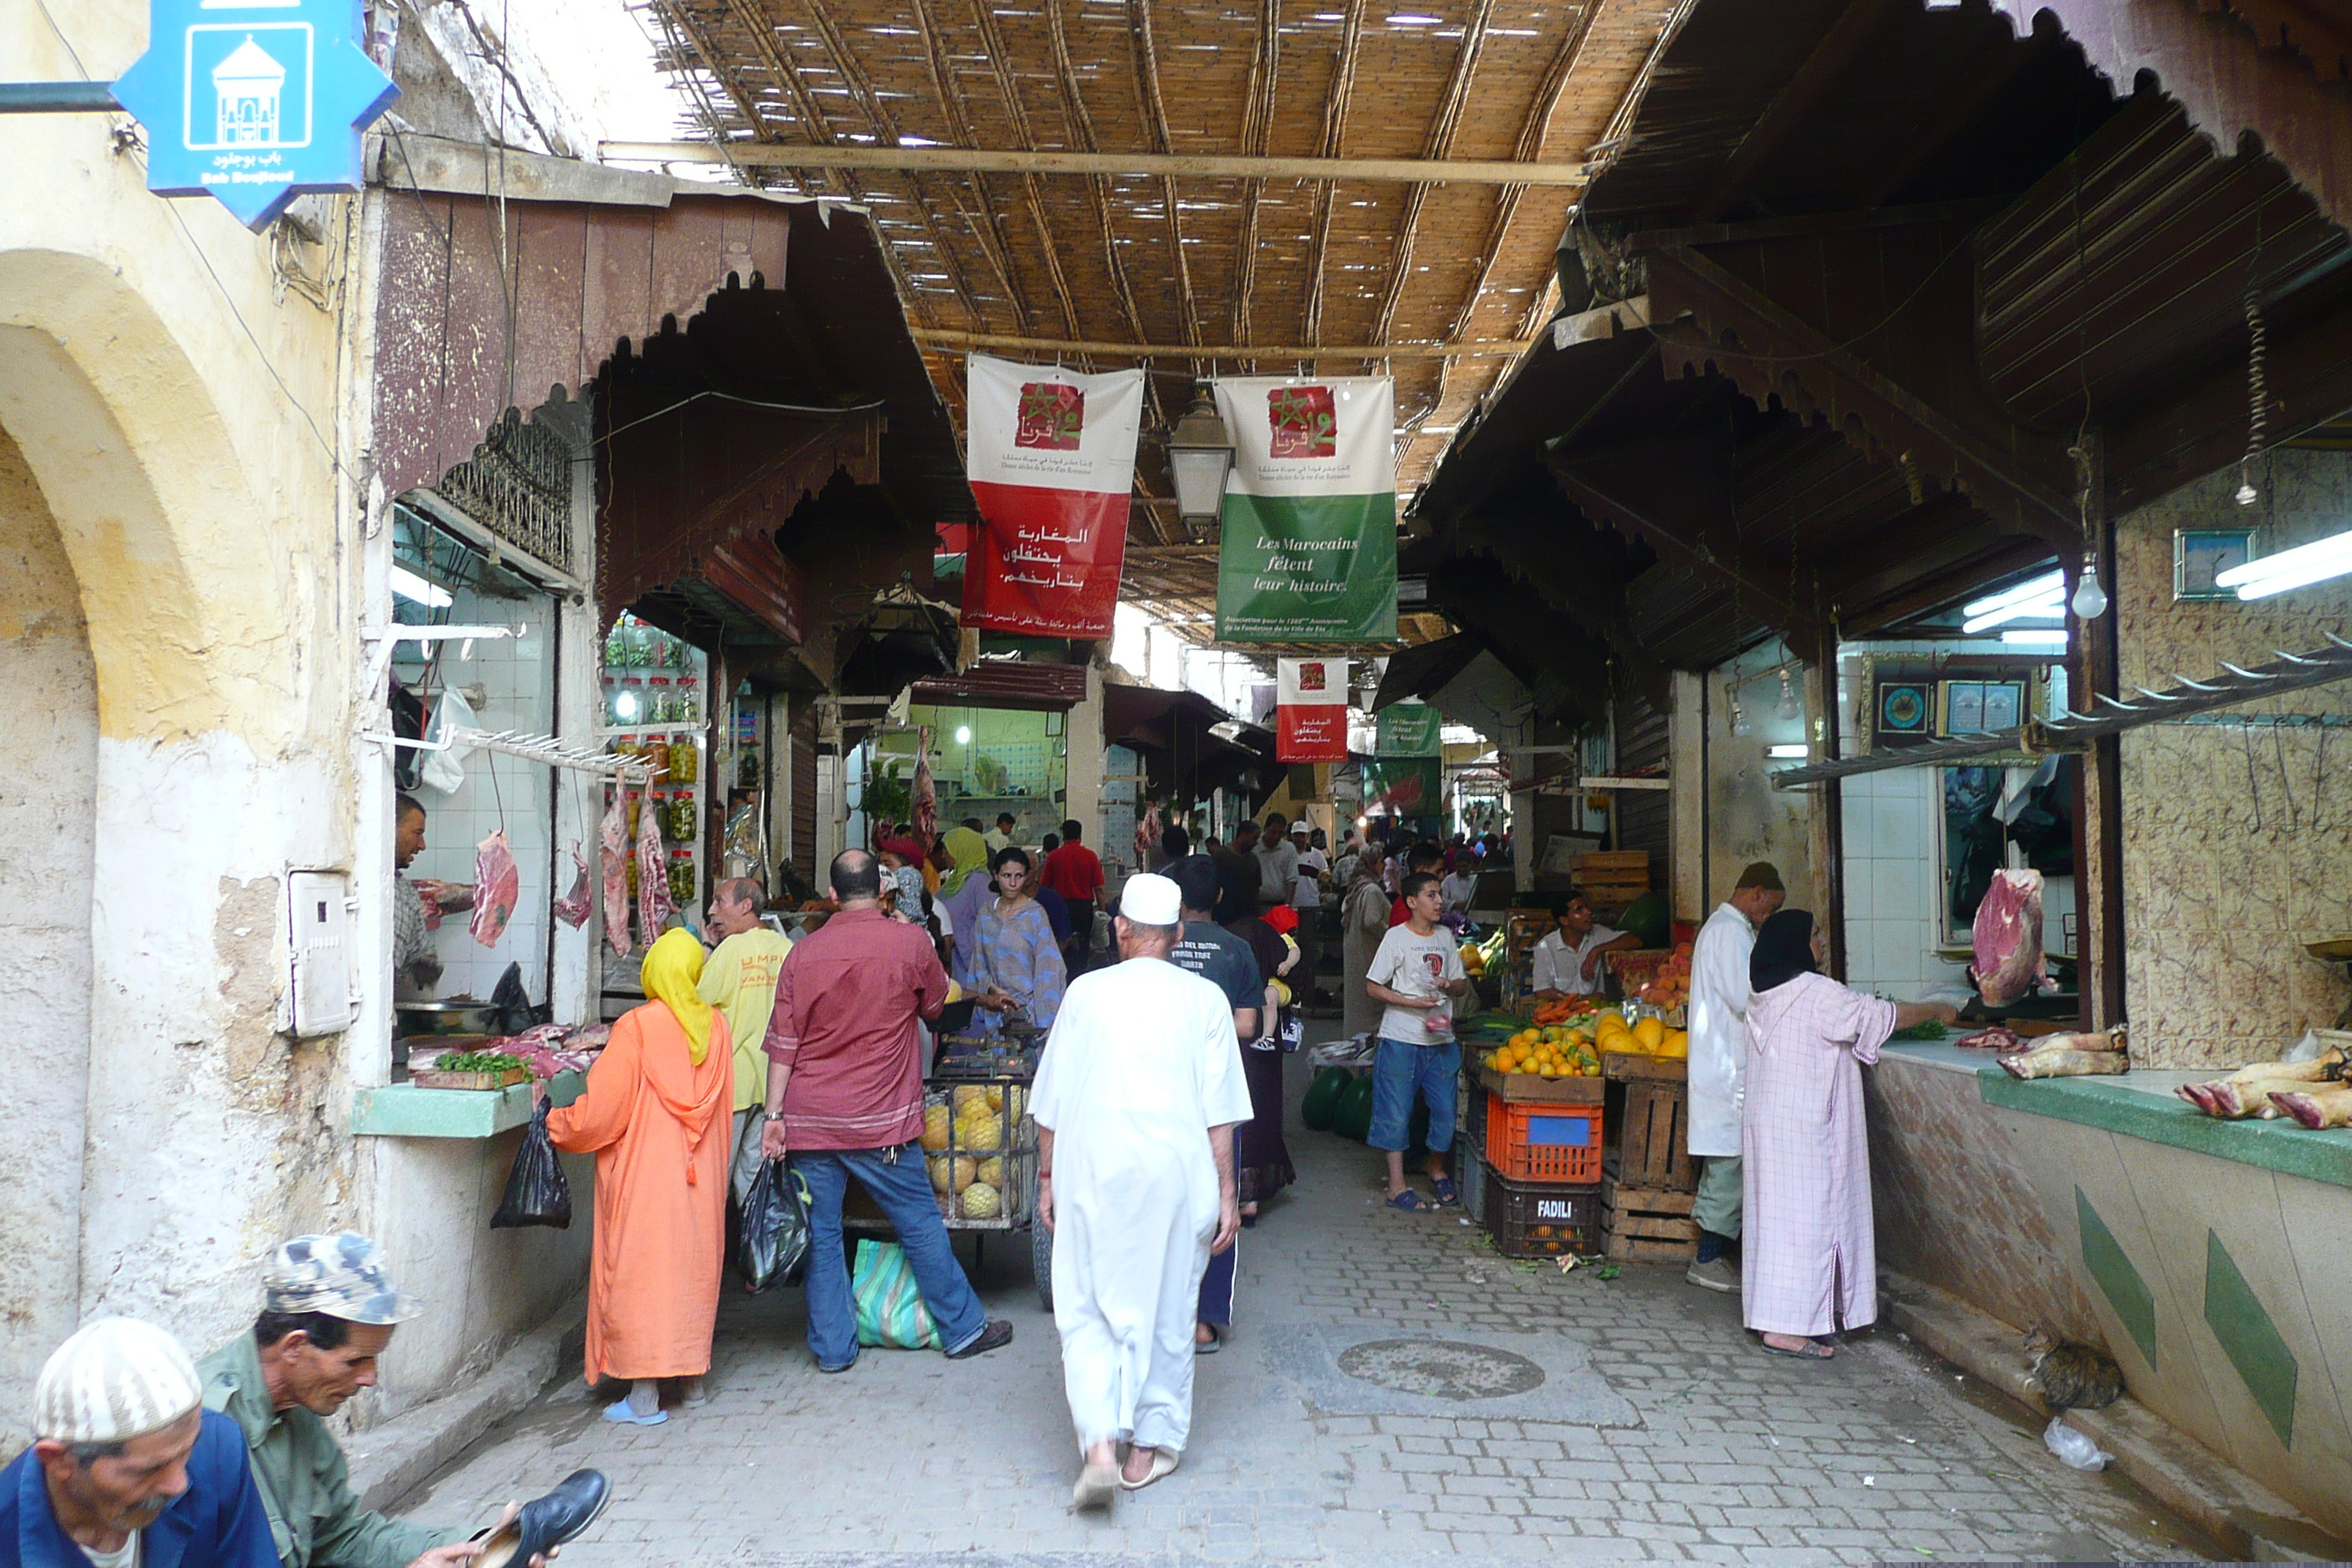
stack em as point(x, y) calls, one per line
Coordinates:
point(951, 1175)
point(935, 1128)
point(1651, 1033)
point(981, 1201)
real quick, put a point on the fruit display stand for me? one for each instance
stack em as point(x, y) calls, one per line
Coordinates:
point(1557, 1126)
point(1649, 1183)
point(1541, 1219)
point(976, 1126)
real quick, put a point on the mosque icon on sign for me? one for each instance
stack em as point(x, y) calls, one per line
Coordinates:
point(248, 88)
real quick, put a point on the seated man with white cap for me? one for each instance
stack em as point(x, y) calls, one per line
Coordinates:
point(128, 1469)
point(328, 1311)
point(1136, 1099)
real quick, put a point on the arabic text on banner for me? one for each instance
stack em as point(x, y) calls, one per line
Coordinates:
point(1309, 518)
point(1310, 708)
point(1051, 457)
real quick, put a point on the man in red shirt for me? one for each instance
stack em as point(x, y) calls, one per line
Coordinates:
point(845, 1099)
point(1073, 871)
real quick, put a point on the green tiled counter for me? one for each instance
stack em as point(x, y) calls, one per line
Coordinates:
point(2202, 1254)
point(405, 1110)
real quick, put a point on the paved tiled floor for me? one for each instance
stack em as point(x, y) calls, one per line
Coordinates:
point(1680, 1441)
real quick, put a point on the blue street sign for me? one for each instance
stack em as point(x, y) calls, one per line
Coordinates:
point(254, 102)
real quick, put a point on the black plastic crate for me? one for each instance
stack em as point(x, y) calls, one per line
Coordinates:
point(1542, 1219)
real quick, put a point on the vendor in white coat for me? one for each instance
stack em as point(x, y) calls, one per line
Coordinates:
point(1718, 1057)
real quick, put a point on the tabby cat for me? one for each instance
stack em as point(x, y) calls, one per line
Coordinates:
point(2070, 1376)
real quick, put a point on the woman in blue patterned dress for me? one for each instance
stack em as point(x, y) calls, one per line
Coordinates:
point(1015, 966)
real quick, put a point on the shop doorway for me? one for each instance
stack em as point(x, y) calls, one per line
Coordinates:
point(48, 806)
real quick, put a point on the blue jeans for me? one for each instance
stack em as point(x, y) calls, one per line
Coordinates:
point(1401, 1070)
point(898, 1181)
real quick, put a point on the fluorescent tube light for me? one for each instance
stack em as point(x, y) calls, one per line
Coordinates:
point(2052, 586)
point(2025, 637)
point(2297, 568)
point(417, 590)
point(2047, 609)
point(1787, 752)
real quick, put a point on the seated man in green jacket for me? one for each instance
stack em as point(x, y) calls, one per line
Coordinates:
point(328, 1311)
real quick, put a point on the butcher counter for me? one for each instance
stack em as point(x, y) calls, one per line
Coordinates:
point(2204, 1255)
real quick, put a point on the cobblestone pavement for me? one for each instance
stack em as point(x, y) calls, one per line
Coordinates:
point(1659, 1431)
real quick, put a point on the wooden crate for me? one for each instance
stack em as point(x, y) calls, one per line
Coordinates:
point(1647, 1222)
point(1652, 1150)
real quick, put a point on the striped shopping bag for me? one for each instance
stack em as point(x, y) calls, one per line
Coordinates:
point(890, 1311)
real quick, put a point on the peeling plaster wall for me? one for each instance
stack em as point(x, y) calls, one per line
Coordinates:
point(1746, 818)
point(48, 775)
point(2237, 841)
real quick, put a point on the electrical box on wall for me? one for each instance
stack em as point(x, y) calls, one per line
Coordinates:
point(319, 926)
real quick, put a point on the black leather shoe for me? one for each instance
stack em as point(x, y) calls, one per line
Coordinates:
point(547, 1522)
point(998, 1332)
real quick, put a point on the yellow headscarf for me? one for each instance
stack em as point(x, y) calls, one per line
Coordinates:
point(969, 852)
point(672, 968)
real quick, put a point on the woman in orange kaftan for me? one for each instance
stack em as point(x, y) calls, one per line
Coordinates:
point(657, 1117)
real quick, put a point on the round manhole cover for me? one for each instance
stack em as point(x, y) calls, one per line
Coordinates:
point(1441, 1368)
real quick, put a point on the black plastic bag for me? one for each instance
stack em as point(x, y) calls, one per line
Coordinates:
point(511, 1012)
point(775, 1228)
point(537, 1192)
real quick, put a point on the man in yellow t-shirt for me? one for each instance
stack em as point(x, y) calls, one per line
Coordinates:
point(740, 980)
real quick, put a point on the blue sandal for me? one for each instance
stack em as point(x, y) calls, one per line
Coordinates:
point(1410, 1202)
point(1443, 1189)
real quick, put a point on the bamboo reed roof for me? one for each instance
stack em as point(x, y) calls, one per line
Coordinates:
point(1435, 280)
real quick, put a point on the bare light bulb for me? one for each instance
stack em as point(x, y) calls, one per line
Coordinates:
point(2090, 601)
point(1740, 728)
point(1786, 707)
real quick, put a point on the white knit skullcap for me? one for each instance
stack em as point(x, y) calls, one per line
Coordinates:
point(115, 1379)
point(1150, 900)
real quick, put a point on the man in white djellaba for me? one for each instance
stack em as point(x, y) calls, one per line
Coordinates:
point(1136, 1099)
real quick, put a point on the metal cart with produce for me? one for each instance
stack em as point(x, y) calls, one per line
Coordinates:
point(980, 1143)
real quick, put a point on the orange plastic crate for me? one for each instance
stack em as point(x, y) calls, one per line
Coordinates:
point(1539, 1142)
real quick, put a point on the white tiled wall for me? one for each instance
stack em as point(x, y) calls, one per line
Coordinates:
point(1892, 884)
point(518, 678)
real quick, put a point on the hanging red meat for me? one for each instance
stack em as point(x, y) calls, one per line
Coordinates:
point(2009, 937)
point(925, 795)
point(498, 887)
point(612, 841)
point(573, 907)
point(654, 905)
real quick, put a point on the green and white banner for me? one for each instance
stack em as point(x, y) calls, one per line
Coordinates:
point(1310, 520)
point(1409, 730)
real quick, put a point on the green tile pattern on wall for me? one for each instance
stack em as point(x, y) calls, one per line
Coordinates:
point(2249, 1339)
point(2103, 1259)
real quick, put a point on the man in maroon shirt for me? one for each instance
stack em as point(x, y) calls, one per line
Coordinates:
point(845, 1099)
point(1073, 871)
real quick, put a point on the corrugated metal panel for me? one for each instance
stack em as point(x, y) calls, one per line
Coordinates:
point(1644, 817)
point(804, 778)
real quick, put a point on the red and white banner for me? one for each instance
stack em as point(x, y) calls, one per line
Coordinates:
point(1051, 458)
point(1310, 710)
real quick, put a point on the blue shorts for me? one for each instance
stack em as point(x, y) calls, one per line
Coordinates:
point(1401, 1070)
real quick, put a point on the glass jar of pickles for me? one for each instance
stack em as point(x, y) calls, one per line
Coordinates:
point(688, 700)
point(655, 754)
point(680, 821)
point(684, 760)
point(661, 704)
point(681, 879)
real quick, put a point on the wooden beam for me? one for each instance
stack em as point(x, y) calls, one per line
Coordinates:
point(1836, 48)
point(1730, 301)
point(1000, 59)
point(1044, 161)
point(1447, 121)
point(1994, 70)
point(1488, 348)
point(1257, 118)
point(1081, 126)
point(1815, 226)
point(1334, 122)
point(1144, 52)
point(1530, 143)
point(993, 242)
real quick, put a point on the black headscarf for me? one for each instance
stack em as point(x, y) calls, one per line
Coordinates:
point(1784, 950)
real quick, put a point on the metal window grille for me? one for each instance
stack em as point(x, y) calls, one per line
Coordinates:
point(517, 484)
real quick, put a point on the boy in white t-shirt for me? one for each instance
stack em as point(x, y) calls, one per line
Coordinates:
point(1417, 971)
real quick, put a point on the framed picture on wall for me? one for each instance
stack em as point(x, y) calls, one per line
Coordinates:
point(1979, 707)
point(1905, 710)
point(2200, 554)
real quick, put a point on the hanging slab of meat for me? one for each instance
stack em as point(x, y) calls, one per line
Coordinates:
point(924, 797)
point(498, 887)
point(613, 846)
point(2009, 937)
point(573, 907)
point(654, 906)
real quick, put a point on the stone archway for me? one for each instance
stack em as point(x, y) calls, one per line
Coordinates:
point(48, 787)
